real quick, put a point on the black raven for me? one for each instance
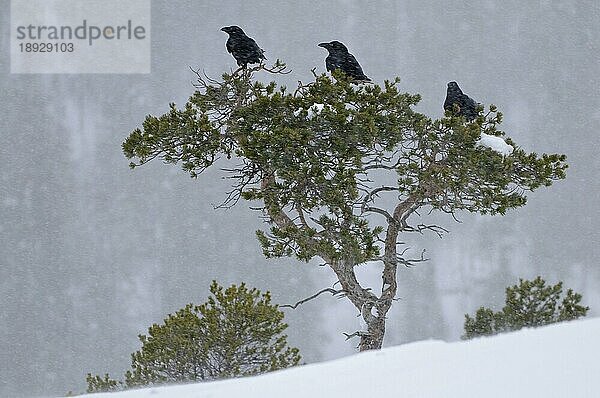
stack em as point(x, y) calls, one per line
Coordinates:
point(340, 58)
point(243, 48)
point(459, 103)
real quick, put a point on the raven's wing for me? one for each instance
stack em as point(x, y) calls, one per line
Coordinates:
point(471, 102)
point(468, 106)
point(248, 47)
point(260, 53)
point(230, 45)
point(465, 105)
point(245, 50)
point(353, 69)
point(332, 63)
point(458, 98)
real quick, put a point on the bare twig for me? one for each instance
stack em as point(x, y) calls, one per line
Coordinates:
point(333, 292)
point(358, 333)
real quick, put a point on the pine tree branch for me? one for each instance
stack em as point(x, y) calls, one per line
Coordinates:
point(333, 292)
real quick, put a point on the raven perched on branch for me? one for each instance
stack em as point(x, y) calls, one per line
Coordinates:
point(460, 104)
point(340, 58)
point(243, 48)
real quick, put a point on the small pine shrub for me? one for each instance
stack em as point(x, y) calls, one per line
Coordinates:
point(102, 384)
point(528, 304)
point(237, 332)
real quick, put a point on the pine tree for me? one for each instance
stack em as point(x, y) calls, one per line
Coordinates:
point(341, 170)
point(237, 332)
point(528, 304)
point(102, 384)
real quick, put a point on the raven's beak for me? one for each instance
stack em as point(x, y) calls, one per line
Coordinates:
point(324, 45)
point(224, 29)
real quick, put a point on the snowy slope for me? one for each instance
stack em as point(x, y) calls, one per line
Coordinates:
point(555, 361)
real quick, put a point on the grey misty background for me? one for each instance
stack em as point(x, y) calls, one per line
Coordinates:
point(92, 253)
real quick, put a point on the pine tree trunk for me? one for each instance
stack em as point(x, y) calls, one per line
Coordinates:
point(373, 340)
point(372, 309)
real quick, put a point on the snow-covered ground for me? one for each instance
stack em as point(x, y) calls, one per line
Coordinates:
point(555, 361)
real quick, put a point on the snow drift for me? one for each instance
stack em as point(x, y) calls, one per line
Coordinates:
point(554, 361)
